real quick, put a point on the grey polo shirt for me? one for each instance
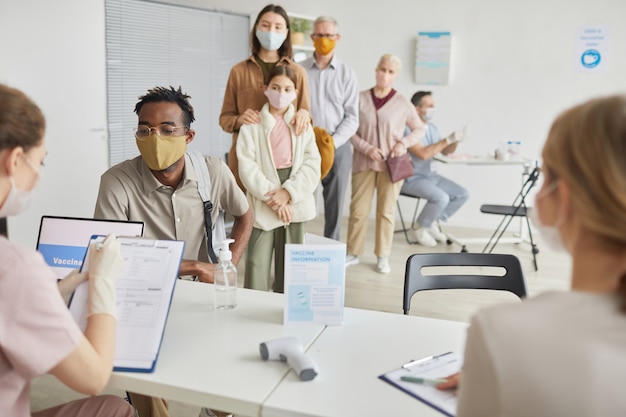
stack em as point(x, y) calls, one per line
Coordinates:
point(129, 191)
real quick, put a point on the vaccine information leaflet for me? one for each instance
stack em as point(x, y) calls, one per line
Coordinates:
point(315, 281)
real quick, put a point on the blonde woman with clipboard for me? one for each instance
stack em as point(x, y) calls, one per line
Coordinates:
point(564, 353)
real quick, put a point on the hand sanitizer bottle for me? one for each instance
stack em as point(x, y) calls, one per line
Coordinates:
point(225, 279)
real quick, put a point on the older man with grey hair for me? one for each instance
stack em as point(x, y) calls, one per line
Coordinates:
point(334, 95)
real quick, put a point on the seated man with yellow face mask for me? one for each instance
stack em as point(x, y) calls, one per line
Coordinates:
point(160, 188)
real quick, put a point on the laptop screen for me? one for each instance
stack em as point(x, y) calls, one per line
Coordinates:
point(63, 240)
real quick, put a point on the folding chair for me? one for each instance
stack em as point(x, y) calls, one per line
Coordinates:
point(405, 229)
point(415, 279)
point(517, 209)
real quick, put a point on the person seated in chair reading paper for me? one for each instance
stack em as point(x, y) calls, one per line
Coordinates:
point(444, 197)
point(161, 188)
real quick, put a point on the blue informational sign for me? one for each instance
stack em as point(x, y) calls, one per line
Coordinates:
point(592, 49)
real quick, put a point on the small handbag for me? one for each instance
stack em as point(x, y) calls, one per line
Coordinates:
point(400, 167)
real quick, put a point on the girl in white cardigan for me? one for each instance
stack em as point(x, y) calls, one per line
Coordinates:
point(280, 171)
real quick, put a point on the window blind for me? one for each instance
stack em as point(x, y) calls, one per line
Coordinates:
point(152, 44)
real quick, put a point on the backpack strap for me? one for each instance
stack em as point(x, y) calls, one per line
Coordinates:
point(204, 189)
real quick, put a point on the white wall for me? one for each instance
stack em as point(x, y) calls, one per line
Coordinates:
point(54, 52)
point(512, 72)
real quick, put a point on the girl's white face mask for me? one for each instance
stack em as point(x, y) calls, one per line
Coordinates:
point(549, 233)
point(280, 100)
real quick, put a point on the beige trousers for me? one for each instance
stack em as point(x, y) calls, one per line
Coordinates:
point(99, 406)
point(364, 184)
point(147, 406)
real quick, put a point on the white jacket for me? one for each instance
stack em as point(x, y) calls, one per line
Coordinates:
point(258, 171)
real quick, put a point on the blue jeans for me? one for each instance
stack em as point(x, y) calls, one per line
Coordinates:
point(444, 197)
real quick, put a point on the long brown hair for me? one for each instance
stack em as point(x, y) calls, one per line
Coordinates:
point(586, 147)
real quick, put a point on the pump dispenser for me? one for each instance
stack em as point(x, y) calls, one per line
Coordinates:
point(225, 278)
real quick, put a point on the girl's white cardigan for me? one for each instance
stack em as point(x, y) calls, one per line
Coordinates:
point(258, 171)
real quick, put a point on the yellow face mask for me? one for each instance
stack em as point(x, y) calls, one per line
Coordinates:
point(324, 46)
point(161, 152)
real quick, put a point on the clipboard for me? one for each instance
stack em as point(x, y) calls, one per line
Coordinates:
point(431, 367)
point(144, 293)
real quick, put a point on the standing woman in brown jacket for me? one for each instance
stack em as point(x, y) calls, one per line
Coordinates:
point(244, 95)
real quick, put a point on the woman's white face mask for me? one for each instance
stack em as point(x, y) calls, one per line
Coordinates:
point(549, 233)
point(18, 200)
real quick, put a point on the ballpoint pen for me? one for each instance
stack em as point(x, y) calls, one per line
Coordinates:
point(423, 381)
point(429, 358)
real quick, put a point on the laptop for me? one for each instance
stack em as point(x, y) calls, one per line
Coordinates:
point(63, 241)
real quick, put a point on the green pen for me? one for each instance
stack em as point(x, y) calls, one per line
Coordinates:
point(423, 381)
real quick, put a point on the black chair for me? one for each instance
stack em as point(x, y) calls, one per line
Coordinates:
point(517, 209)
point(406, 229)
point(416, 280)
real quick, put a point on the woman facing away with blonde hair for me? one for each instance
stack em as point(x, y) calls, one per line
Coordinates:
point(564, 353)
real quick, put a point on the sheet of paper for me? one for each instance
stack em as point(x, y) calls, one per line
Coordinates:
point(435, 367)
point(144, 291)
point(315, 281)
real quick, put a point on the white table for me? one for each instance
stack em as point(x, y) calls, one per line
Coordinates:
point(211, 358)
point(350, 359)
point(481, 160)
point(526, 163)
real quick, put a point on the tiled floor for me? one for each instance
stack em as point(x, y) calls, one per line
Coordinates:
point(365, 288)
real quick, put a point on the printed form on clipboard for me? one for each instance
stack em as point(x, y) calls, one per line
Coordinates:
point(144, 291)
point(430, 368)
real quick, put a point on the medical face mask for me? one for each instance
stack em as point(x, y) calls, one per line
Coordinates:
point(549, 234)
point(161, 152)
point(430, 114)
point(18, 200)
point(324, 46)
point(280, 100)
point(270, 40)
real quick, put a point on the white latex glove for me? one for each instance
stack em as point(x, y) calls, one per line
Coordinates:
point(459, 135)
point(456, 136)
point(105, 265)
point(451, 138)
point(68, 284)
